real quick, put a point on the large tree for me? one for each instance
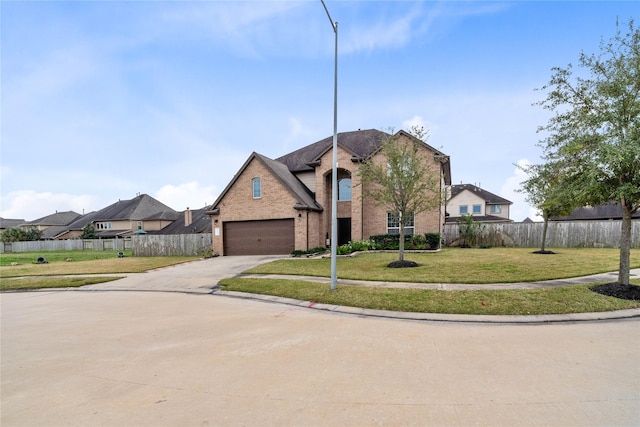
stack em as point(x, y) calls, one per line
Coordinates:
point(546, 191)
point(595, 128)
point(403, 184)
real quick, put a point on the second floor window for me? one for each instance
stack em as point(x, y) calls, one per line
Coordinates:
point(477, 209)
point(344, 189)
point(464, 209)
point(257, 188)
point(496, 209)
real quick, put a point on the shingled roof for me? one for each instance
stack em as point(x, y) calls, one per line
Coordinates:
point(142, 207)
point(489, 198)
point(606, 211)
point(200, 223)
point(304, 197)
point(360, 143)
point(58, 218)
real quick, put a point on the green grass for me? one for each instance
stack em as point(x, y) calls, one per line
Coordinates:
point(455, 265)
point(57, 256)
point(27, 283)
point(81, 262)
point(563, 300)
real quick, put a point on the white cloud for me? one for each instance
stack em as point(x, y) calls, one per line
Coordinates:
point(30, 205)
point(520, 208)
point(187, 195)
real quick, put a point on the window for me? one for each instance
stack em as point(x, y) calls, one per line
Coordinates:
point(257, 188)
point(344, 189)
point(496, 209)
point(139, 225)
point(464, 209)
point(393, 223)
point(477, 209)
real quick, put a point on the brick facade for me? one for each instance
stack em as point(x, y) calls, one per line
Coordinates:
point(313, 225)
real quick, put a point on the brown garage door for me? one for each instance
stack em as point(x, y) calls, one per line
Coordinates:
point(268, 237)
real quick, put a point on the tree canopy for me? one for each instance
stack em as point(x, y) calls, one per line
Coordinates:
point(403, 185)
point(594, 133)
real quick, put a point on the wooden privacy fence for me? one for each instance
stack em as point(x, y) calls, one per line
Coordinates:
point(67, 245)
point(171, 244)
point(561, 234)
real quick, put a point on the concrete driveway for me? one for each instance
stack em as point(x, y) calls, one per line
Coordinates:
point(137, 358)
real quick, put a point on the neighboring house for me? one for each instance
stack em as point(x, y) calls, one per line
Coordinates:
point(189, 222)
point(9, 223)
point(276, 206)
point(604, 212)
point(53, 224)
point(124, 218)
point(469, 199)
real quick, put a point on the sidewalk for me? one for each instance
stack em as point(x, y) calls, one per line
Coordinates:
point(202, 277)
point(465, 318)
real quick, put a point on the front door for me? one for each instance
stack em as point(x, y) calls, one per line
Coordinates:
point(344, 231)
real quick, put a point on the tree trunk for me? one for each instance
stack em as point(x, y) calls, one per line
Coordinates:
point(625, 243)
point(544, 230)
point(401, 242)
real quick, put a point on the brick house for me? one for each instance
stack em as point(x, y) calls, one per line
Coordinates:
point(276, 206)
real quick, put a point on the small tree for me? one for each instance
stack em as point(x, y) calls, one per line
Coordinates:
point(13, 234)
point(595, 129)
point(548, 191)
point(89, 231)
point(470, 230)
point(19, 234)
point(403, 185)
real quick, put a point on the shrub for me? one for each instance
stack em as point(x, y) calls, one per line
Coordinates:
point(432, 240)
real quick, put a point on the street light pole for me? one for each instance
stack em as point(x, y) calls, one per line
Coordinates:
point(334, 173)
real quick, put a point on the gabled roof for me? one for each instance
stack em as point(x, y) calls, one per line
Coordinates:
point(489, 198)
point(10, 223)
point(142, 207)
point(283, 174)
point(58, 218)
point(361, 144)
point(200, 223)
point(606, 211)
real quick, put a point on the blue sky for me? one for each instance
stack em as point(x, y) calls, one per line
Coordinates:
point(102, 100)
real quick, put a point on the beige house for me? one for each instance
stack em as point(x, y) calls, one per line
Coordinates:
point(123, 218)
point(469, 199)
point(276, 206)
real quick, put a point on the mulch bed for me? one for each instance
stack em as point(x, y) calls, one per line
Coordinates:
point(402, 264)
point(617, 290)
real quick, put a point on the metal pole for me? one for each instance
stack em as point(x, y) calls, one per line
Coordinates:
point(334, 173)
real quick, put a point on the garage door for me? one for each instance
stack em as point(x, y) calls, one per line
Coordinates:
point(268, 237)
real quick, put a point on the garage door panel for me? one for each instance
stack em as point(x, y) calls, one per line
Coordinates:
point(267, 237)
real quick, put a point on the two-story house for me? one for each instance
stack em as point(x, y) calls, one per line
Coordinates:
point(469, 199)
point(276, 206)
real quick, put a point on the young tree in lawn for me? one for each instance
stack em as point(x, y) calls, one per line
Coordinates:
point(595, 129)
point(546, 191)
point(89, 231)
point(403, 185)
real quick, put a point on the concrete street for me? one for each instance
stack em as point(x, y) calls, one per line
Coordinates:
point(92, 357)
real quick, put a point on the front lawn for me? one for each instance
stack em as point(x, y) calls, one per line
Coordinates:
point(455, 265)
point(82, 262)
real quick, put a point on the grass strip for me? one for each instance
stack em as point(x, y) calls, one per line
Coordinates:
point(29, 283)
point(563, 300)
point(455, 265)
point(111, 265)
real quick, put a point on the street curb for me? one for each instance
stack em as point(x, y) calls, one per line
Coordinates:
point(437, 317)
